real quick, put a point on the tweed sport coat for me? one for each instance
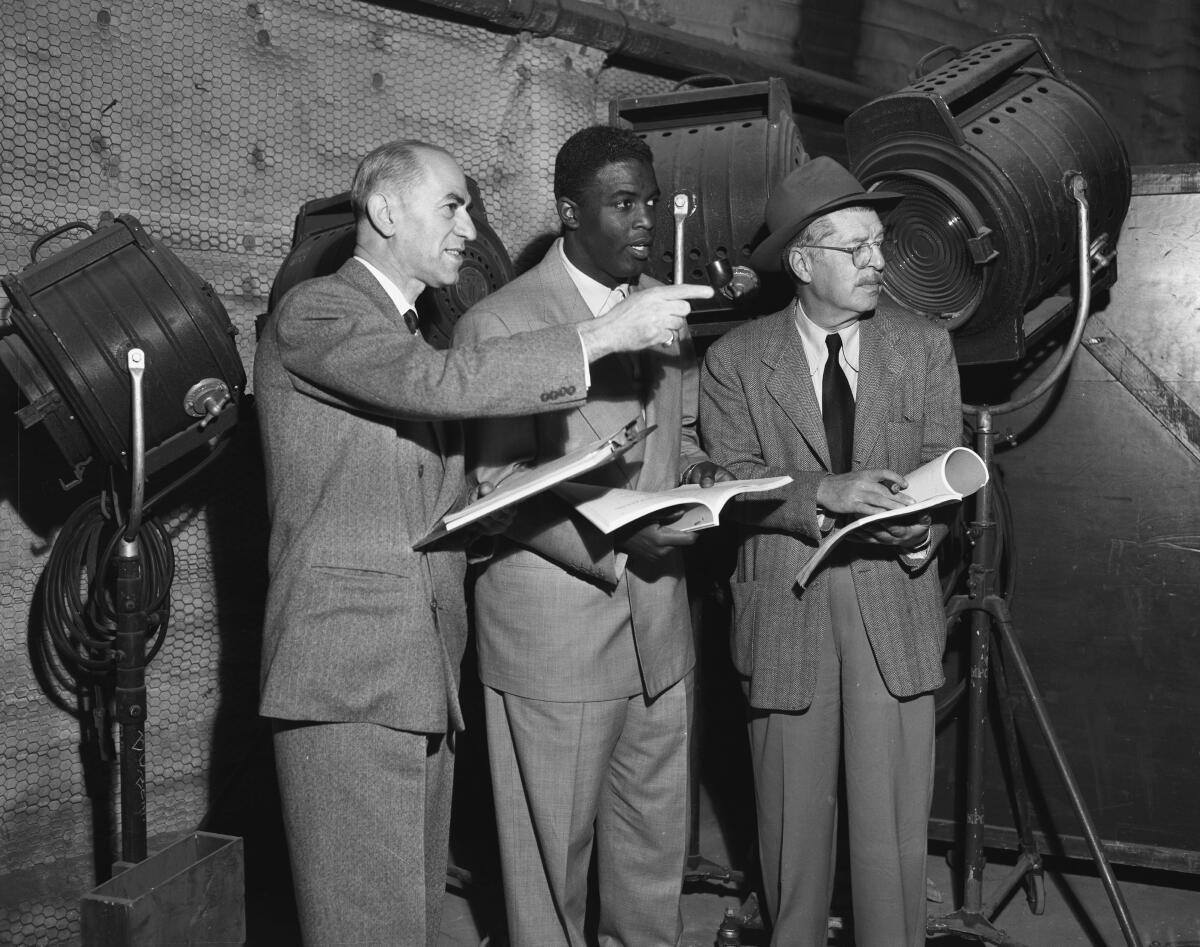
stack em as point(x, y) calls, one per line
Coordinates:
point(759, 418)
point(359, 627)
point(552, 617)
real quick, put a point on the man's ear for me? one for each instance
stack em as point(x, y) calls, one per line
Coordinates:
point(381, 213)
point(568, 213)
point(797, 261)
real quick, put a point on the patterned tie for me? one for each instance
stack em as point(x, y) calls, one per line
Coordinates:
point(837, 408)
point(410, 320)
point(615, 298)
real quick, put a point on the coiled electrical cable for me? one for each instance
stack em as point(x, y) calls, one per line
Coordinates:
point(78, 612)
point(78, 621)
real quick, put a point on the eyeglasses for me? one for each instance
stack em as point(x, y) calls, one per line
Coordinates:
point(860, 255)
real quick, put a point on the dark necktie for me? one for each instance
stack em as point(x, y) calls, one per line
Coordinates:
point(837, 408)
point(410, 320)
point(631, 360)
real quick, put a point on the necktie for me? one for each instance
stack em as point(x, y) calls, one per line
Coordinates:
point(837, 408)
point(410, 320)
point(631, 360)
point(615, 298)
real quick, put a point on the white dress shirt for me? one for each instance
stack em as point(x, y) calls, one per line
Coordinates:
point(389, 286)
point(812, 337)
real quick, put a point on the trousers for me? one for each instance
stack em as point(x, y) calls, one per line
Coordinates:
point(366, 810)
point(888, 747)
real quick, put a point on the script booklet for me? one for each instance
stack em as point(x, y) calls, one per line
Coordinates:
point(610, 508)
point(950, 478)
point(531, 481)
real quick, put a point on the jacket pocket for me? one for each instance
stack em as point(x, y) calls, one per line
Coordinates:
point(360, 602)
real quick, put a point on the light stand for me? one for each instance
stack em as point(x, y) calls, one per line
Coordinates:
point(130, 638)
point(191, 891)
point(990, 615)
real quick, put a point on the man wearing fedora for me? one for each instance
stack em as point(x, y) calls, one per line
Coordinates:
point(845, 397)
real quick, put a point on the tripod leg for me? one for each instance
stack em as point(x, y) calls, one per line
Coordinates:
point(977, 702)
point(1028, 869)
point(1013, 649)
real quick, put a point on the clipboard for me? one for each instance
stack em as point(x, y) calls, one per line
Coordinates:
point(534, 480)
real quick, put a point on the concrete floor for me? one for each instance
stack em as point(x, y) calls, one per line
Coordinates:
point(1165, 907)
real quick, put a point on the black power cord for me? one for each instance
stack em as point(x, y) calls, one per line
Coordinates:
point(79, 616)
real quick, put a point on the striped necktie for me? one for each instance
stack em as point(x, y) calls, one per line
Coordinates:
point(615, 298)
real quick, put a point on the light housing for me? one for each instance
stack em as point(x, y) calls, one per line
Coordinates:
point(983, 147)
point(74, 318)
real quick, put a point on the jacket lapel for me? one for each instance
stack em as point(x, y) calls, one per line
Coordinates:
point(362, 279)
point(879, 364)
point(789, 382)
point(445, 438)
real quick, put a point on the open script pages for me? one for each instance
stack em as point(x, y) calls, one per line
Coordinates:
point(610, 508)
point(956, 474)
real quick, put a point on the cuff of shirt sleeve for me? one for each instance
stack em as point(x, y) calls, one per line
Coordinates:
point(917, 555)
point(587, 363)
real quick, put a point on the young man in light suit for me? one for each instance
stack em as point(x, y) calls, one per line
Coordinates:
point(363, 636)
point(585, 644)
point(845, 398)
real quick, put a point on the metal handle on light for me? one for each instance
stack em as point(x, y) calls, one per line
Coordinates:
point(683, 205)
point(136, 363)
point(1076, 185)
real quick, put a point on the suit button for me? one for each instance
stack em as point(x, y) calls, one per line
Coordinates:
point(420, 470)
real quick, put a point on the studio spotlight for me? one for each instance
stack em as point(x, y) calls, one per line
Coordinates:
point(74, 318)
point(128, 358)
point(981, 147)
point(724, 148)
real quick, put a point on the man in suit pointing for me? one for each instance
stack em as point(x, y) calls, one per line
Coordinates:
point(844, 397)
point(363, 636)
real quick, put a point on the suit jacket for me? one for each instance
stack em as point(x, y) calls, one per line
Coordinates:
point(759, 418)
point(359, 627)
point(555, 620)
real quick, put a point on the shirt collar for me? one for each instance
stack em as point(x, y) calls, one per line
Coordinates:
point(812, 337)
point(595, 294)
point(389, 286)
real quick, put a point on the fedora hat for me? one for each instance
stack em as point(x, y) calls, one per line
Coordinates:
point(816, 188)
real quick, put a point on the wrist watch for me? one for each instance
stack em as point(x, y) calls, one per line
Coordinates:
point(924, 542)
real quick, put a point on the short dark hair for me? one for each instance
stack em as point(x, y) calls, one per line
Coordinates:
point(582, 156)
point(397, 166)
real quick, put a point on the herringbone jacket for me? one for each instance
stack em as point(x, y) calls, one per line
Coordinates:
point(759, 418)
